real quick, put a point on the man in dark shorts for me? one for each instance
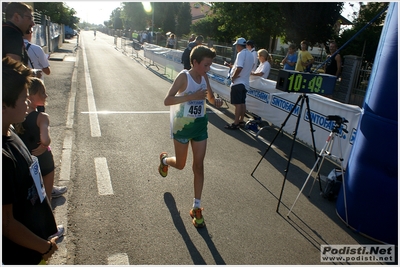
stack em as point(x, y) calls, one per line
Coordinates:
point(240, 76)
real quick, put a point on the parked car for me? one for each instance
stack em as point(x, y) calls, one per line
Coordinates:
point(69, 32)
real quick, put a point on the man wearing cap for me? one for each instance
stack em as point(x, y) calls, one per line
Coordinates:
point(240, 76)
point(252, 49)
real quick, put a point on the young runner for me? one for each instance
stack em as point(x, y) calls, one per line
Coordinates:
point(187, 100)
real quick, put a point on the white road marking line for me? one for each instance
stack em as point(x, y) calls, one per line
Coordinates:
point(140, 112)
point(118, 259)
point(104, 185)
point(94, 121)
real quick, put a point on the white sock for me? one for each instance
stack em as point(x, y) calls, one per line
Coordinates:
point(164, 161)
point(196, 203)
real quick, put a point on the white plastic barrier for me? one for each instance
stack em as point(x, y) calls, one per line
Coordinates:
point(273, 105)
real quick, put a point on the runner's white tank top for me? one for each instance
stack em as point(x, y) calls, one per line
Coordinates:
point(186, 113)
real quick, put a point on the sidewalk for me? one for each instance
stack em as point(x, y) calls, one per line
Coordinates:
point(67, 49)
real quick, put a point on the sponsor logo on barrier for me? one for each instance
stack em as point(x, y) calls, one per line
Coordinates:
point(353, 136)
point(320, 121)
point(219, 79)
point(357, 253)
point(284, 105)
point(259, 94)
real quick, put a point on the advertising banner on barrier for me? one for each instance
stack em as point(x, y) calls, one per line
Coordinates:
point(273, 105)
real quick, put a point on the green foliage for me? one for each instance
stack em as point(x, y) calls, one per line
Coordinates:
point(366, 41)
point(116, 19)
point(134, 16)
point(184, 19)
point(58, 13)
point(310, 21)
point(208, 27)
point(171, 16)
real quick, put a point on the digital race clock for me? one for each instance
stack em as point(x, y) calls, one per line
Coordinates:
point(302, 82)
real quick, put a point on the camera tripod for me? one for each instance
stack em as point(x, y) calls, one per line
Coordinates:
point(326, 151)
point(303, 97)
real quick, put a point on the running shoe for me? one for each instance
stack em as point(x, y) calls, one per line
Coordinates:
point(58, 191)
point(198, 220)
point(163, 169)
point(60, 232)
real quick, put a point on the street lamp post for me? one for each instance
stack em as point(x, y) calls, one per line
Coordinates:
point(152, 24)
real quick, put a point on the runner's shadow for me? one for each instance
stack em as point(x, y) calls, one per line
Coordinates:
point(214, 251)
point(177, 219)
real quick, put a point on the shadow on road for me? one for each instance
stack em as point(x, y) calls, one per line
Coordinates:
point(194, 253)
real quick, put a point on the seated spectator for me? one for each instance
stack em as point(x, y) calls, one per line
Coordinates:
point(265, 64)
point(171, 41)
point(27, 217)
point(192, 38)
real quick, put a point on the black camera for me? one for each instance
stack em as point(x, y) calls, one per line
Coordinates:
point(338, 121)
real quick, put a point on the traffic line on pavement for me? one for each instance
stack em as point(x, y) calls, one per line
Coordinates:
point(118, 259)
point(104, 185)
point(141, 112)
point(94, 120)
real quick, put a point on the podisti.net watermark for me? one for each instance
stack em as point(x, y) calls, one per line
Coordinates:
point(358, 253)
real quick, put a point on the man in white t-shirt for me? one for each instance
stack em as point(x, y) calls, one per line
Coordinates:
point(240, 76)
point(252, 49)
point(37, 57)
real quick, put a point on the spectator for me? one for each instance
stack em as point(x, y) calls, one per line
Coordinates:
point(19, 19)
point(144, 37)
point(28, 221)
point(289, 62)
point(192, 38)
point(304, 58)
point(333, 67)
point(252, 49)
point(171, 41)
point(38, 59)
point(34, 132)
point(188, 93)
point(265, 64)
point(240, 75)
point(186, 53)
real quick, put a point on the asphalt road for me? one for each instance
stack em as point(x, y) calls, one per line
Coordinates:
point(108, 127)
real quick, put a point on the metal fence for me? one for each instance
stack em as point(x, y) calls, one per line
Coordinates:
point(225, 53)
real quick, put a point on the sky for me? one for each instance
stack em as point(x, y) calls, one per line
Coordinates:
point(93, 11)
point(99, 11)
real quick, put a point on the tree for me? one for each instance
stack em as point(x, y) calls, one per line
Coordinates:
point(311, 21)
point(184, 19)
point(255, 21)
point(58, 13)
point(116, 20)
point(208, 27)
point(134, 16)
point(366, 42)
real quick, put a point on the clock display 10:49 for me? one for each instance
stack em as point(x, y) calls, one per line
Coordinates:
point(297, 82)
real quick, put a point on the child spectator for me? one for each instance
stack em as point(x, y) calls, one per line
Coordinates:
point(34, 132)
point(27, 217)
point(289, 62)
